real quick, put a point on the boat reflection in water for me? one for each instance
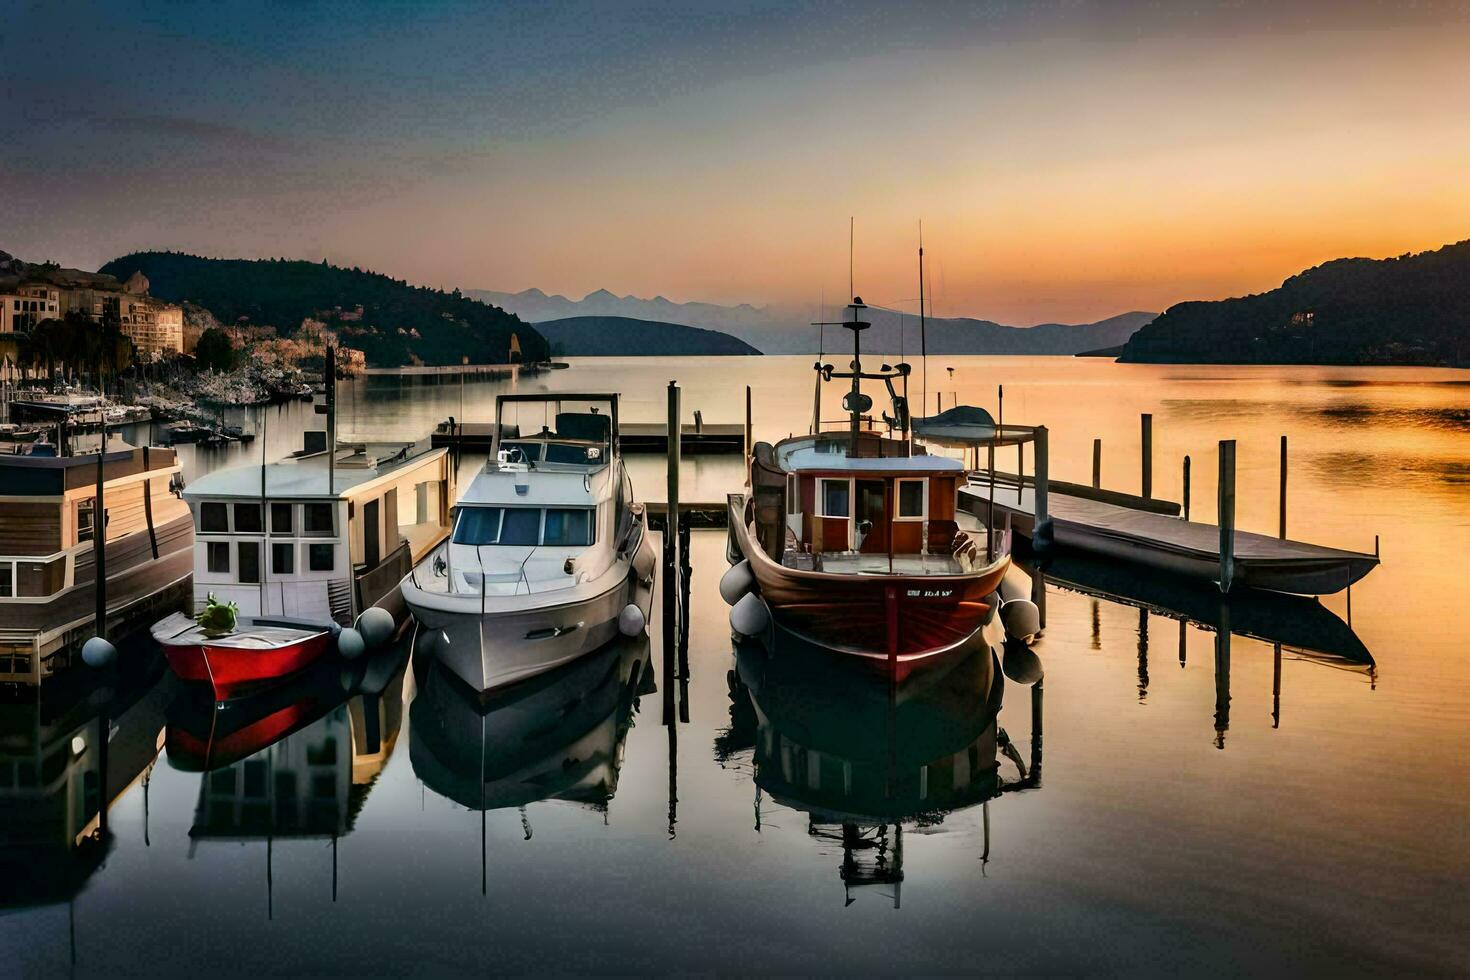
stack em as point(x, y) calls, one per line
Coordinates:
point(62, 756)
point(557, 736)
point(296, 761)
point(863, 756)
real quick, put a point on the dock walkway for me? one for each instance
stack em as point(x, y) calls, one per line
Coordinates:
point(1171, 544)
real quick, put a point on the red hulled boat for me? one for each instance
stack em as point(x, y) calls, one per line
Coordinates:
point(851, 540)
point(259, 651)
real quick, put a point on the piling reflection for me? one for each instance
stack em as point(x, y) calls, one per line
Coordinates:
point(1298, 626)
point(65, 757)
point(864, 757)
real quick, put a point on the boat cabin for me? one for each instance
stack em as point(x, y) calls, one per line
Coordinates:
point(893, 505)
point(316, 551)
point(48, 525)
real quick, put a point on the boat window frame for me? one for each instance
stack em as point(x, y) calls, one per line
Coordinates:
point(541, 511)
point(240, 562)
point(822, 496)
point(204, 507)
point(212, 548)
point(898, 514)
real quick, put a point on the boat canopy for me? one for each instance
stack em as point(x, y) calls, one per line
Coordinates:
point(968, 426)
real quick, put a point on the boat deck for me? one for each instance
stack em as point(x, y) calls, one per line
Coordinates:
point(854, 563)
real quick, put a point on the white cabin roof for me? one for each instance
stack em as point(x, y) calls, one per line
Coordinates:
point(303, 477)
point(544, 488)
point(807, 459)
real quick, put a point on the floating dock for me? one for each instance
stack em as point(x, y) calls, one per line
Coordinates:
point(635, 438)
point(1125, 528)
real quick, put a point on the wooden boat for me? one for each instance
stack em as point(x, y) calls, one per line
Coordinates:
point(259, 651)
point(851, 539)
point(48, 563)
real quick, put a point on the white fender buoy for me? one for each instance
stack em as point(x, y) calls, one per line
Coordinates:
point(97, 652)
point(375, 625)
point(1010, 589)
point(750, 617)
point(351, 644)
point(736, 582)
point(1021, 618)
point(630, 620)
point(1020, 663)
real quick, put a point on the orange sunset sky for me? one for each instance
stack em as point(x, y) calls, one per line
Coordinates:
point(1069, 161)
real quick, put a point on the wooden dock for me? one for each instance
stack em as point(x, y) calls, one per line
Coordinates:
point(1107, 524)
point(637, 438)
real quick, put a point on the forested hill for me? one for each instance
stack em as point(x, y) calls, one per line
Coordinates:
point(399, 322)
point(1414, 309)
point(621, 336)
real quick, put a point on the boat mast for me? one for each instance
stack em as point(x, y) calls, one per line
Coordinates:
point(923, 340)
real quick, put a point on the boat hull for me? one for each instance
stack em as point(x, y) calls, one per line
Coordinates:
point(895, 620)
point(502, 647)
point(232, 672)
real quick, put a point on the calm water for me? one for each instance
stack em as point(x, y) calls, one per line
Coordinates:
point(1185, 819)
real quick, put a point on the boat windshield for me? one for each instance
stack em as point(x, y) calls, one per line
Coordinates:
point(524, 526)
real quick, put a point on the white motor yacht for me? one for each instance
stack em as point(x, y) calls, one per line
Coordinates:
point(549, 558)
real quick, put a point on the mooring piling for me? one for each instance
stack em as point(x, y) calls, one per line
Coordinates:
point(1097, 464)
point(1282, 532)
point(1227, 513)
point(1147, 423)
point(1186, 488)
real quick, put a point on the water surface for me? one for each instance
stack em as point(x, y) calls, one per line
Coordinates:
point(1191, 813)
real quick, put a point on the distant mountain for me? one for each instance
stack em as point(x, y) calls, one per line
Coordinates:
point(893, 332)
point(620, 336)
point(1414, 309)
point(788, 330)
point(398, 323)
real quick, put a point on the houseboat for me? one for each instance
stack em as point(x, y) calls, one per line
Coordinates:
point(302, 547)
point(549, 559)
point(334, 548)
point(849, 539)
point(48, 521)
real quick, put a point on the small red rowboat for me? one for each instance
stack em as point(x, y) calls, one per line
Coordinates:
point(258, 651)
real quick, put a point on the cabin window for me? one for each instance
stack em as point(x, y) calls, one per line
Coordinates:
point(568, 527)
point(247, 518)
point(911, 498)
point(249, 571)
point(281, 515)
point(477, 526)
point(561, 453)
point(836, 498)
point(86, 516)
point(283, 559)
point(218, 557)
point(321, 557)
point(520, 526)
point(318, 521)
point(214, 518)
point(7, 580)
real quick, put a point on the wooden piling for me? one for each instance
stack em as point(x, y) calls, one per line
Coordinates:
point(1147, 422)
point(1097, 464)
point(749, 445)
point(1227, 513)
point(1282, 532)
point(1042, 461)
point(1186, 488)
point(99, 538)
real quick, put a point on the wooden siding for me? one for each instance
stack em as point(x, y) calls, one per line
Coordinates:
point(30, 529)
